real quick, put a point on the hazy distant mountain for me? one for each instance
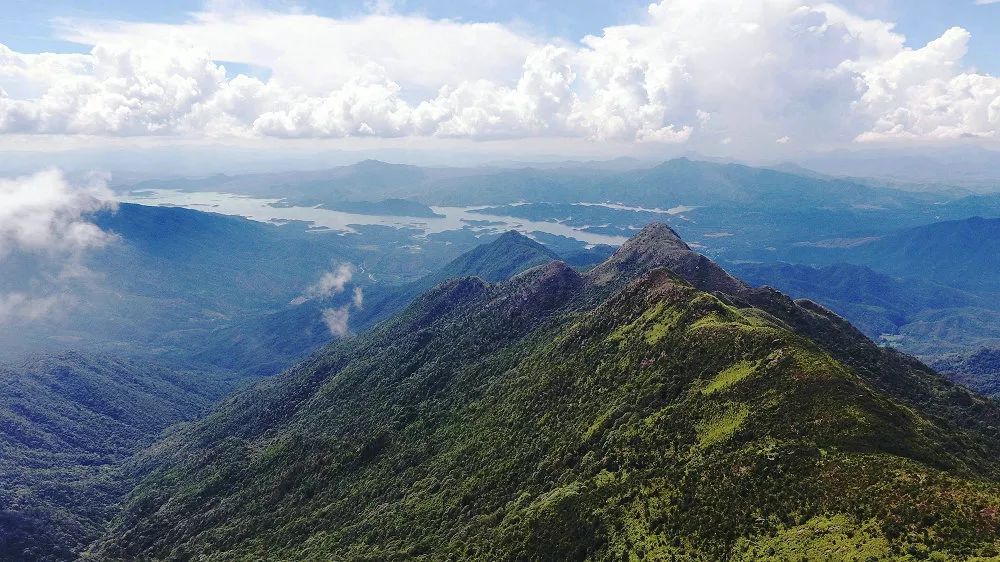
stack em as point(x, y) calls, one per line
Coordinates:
point(365, 181)
point(389, 207)
point(961, 253)
point(620, 163)
point(674, 182)
point(968, 166)
point(874, 302)
point(624, 413)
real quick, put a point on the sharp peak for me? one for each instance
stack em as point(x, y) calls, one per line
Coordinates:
point(657, 233)
point(515, 237)
point(514, 234)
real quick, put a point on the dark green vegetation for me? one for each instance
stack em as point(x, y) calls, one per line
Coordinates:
point(509, 254)
point(933, 291)
point(979, 369)
point(69, 422)
point(648, 405)
point(654, 407)
point(66, 423)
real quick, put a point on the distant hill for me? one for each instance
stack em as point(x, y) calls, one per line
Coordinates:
point(680, 181)
point(879, 304)
point(959, 253)
point(268, 343)
point(67, 422)
point(511, 253)
point(389, 207)
point(979, 369)
point(369, 180)
point(970, 166)
point(653, 408)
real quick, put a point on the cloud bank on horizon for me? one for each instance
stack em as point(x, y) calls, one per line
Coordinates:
point(779, 73)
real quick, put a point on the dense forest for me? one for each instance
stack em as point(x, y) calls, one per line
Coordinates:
point(68, 422)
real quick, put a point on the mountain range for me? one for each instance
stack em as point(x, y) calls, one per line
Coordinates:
point(652, 407)
point(437, 388)
point(270, 342)
point(959, 253)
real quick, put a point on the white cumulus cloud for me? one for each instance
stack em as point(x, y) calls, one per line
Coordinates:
point(923, 93)
point(703, 72)
point(46, 218)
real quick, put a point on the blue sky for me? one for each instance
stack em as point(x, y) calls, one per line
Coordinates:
point(764, 78)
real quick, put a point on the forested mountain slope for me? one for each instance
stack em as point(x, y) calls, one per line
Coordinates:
point(66, 423)
point(978, 369)
point(621, 413)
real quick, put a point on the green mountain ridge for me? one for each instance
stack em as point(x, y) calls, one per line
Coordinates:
point(654, 407)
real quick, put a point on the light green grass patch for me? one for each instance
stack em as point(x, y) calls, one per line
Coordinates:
point(836, 537)
point(665, 321)
point(723, 426)
point(730, 376)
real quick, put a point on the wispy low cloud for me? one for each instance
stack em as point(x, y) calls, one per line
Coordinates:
point(22, 306)
point(333, 283)
point(43, 213)
point(336, 320)
point(329, 284)
point(46, 219)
